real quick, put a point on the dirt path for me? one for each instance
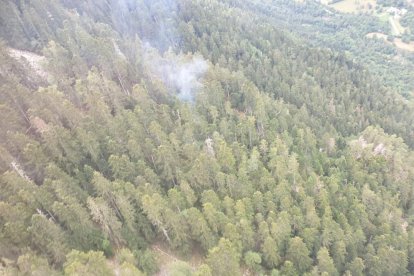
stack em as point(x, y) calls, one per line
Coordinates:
point(397, 29)
point(404, 46)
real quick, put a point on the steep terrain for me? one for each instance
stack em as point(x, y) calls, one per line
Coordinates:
point(140, 133)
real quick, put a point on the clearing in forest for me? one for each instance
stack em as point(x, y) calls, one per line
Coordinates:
point(397, 42)
point(35, 61)
point(396, 27)
point(404, 46)
point(167, 259)
point(353, 6)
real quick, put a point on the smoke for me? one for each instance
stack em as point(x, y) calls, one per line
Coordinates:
point(184, 77)
point(153, 21)
point(156, 24)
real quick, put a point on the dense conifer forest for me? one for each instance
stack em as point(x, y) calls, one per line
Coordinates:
point(224, 131)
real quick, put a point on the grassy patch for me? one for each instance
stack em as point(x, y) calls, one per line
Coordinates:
point(384, 17)
point(353, 6)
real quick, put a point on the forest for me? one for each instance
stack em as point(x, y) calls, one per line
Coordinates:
point(137, 132)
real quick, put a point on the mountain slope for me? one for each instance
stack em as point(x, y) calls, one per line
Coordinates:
point(202, 126)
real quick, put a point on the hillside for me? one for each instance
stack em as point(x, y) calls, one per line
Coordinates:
point(392, 23)
point(191, 137)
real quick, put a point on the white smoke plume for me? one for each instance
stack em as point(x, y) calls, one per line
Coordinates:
point(185, 77)
point(180, 74)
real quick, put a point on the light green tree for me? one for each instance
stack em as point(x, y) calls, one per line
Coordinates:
point(89, 264)
point(223, 259)
point(298, 254)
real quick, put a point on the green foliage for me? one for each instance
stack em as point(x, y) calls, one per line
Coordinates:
point(147, 261)
point(290, 159)
point(126, 256)
point(325, 262)
point(253, 260)
point(223, 259)
point(129, 269)
point(288, 269)
point(298, 254)
point(91, 263)
point(30, 264)
point(356, 267)
point(107, 248)
point(203, 270)
point(180, 268)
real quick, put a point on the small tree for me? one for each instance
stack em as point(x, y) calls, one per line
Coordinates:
point(298, 254)
point(325, 262)
point(90, 263)
point(253, 260)
point(223, 259)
